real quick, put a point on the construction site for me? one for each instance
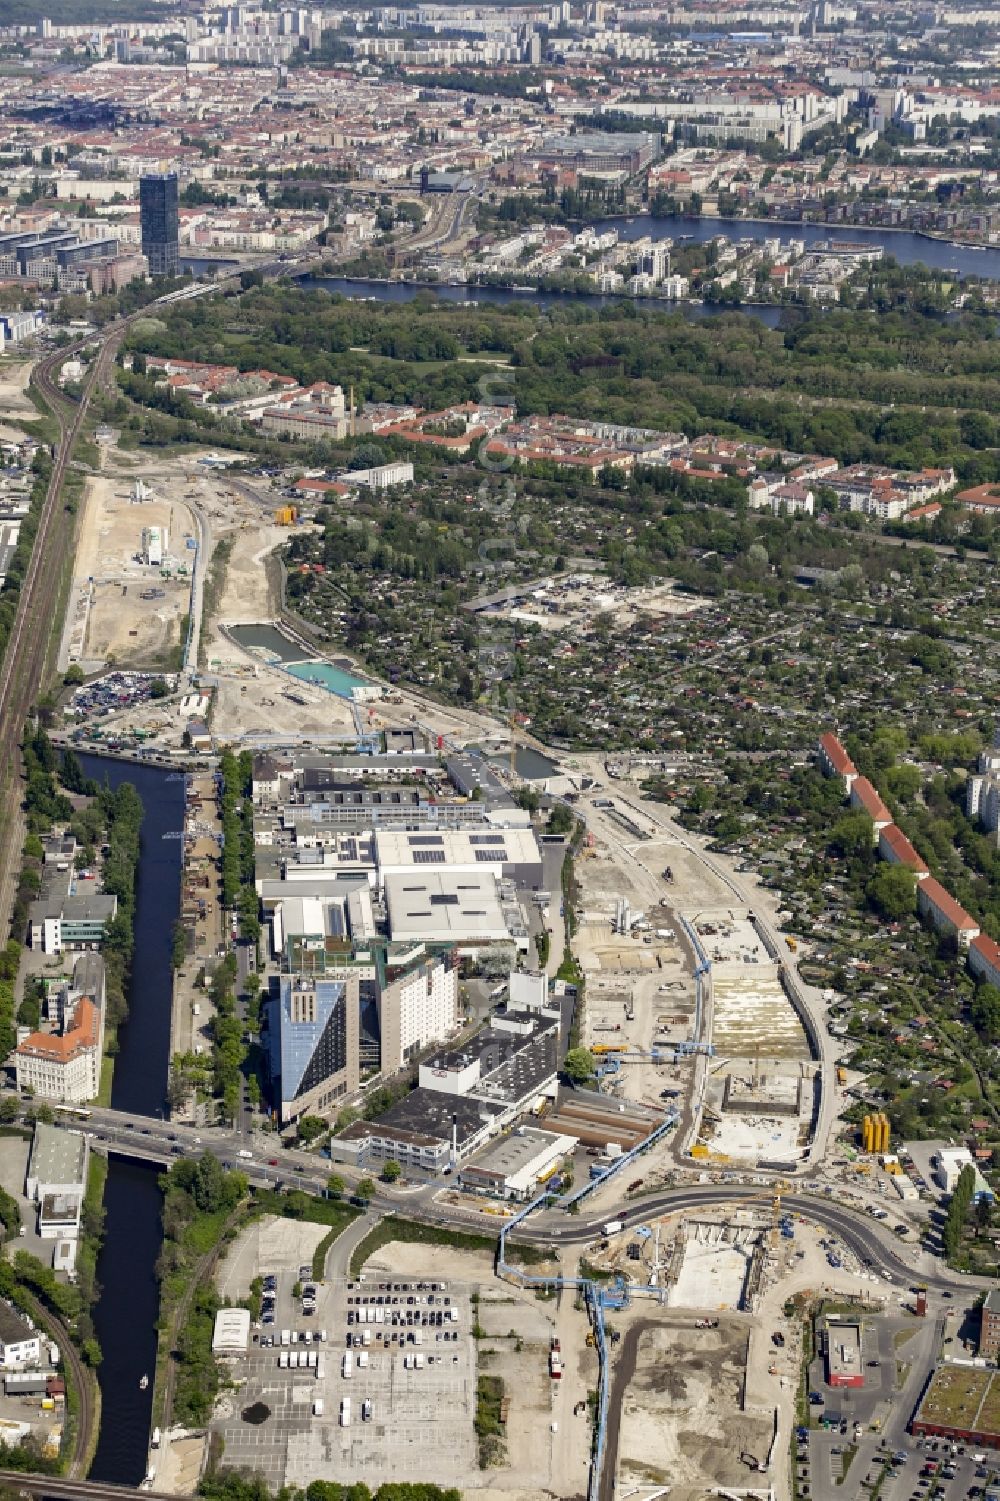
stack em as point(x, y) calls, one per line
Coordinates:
point(131, 589)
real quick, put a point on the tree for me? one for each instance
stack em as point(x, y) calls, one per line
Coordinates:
point(366, 1189)
point(10, 1109)
point(311, 1127)
point(335, 1186)
point(892, 891)
point(392, 1172)
point(578, 1065)
point(852, 833)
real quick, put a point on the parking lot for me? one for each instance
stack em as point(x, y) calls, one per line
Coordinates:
point(376, 1378)
point(867, 1429)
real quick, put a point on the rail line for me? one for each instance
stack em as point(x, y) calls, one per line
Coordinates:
point(23, 665)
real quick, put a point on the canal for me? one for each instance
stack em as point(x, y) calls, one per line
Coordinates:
point(126, 1313)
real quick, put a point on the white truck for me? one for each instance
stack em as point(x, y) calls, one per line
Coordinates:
point(612, 1227)
point(345, 1412)
point(345, 1367)
point(318, 1407)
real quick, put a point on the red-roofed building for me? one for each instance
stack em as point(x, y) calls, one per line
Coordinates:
point(66, 1066)
point(984, 959)
point(945, 913)
point(864, 795)
point(984, 500)
point(924, 513)
point(835, 761)
point(896, 849)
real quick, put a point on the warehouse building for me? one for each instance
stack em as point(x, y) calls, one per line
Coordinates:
point(448, 909)
point(20, 1344)
point(518, 1165)
point(464, 1097)
point(57, 1179)
point(70, 922)
point(511, 853)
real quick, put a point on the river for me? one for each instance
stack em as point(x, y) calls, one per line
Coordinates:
point(398, 291)
point(906, 248)
point(126, 1313)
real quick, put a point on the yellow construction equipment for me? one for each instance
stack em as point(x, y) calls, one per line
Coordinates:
point(841, 1075)
point(793, 946)
point(285, 516)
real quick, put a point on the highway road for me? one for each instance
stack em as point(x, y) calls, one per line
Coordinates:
point(267, 1163)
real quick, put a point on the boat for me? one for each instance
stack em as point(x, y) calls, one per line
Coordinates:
point(144, 1382)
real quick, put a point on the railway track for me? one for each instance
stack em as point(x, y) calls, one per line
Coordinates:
point(23, 665)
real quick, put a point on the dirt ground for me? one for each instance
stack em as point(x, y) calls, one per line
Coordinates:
point(682, 1419)
point(14, 399)
point(108, 616)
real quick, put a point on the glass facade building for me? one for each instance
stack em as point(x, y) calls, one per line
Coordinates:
point(159, 221)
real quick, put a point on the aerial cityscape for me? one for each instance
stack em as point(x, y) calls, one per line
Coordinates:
point(500, 751)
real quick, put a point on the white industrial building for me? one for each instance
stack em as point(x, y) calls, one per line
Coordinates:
point(512, 853)
point(231, 1335)
point(57, 1179)
point(516, 1166)
point(446, 908)
point(154, 545)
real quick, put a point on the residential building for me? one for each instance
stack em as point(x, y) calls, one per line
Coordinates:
point(863, 795)
point(896, 849)
point(416, 1008)
point(20, 1343)
point(835, 762)
point(159, 218)
point(945, 913)
point(984, 960)
point(312, 1036)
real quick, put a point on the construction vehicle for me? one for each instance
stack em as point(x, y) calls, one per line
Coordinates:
point(793, 946)
point(841, 1074)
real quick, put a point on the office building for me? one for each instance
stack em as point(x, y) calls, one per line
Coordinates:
point(159, 221)
point(70, 922)
point(313, 1044)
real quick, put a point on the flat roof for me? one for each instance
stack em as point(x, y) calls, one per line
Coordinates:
point(57, 1155)
point(490, 848)
point(962, 1397)
point(232, 1329)
point(518, 1151)
point(445, 908)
